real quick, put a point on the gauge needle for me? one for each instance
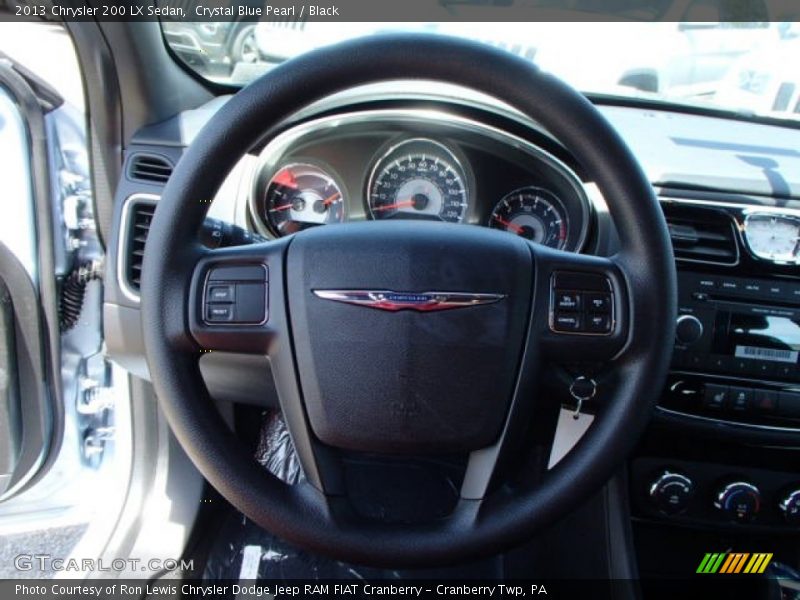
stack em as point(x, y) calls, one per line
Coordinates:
point(282, 207)
point(331, 199)
point(401, 204)
point(508, 225)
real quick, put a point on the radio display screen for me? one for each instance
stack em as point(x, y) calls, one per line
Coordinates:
point(760, 337)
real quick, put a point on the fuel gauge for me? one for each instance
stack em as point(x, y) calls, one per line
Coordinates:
point(773, 237)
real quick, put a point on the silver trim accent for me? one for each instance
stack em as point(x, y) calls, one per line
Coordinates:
point(739, 206)
point(687, 317)
point(419, 301)
point(122, 243)
point(713, 420)
point(274, 151)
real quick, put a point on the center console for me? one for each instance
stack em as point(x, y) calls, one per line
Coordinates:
point(719, 469)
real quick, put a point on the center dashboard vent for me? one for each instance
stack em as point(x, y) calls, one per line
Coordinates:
point(149, 168)
point(701, 234)
point(140, 213)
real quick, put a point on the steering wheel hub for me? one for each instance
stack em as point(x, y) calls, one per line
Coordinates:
point(408, 381)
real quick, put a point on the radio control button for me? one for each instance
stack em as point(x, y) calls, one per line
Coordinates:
point(763, 368)
point(567, 322)
point(599, 303)
point(716, 396)
point(775, 290)
point(598, 323)
point(707, 283)
point(753, 288)
point(741, 399)
point(695, 361)
point(568, 301)
point(688, 329)
point(729, 285)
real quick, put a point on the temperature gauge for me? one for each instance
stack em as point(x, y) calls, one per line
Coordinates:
point(774, 237)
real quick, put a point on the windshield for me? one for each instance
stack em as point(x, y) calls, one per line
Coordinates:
point(748, 67)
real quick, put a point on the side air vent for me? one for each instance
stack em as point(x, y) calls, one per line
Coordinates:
point(139, 215)
point(149, 168)
point(701, 234)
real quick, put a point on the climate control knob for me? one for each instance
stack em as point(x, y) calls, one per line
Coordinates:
point(670, 492)
point(739, 501)
point(790, 507)
point(688, 329)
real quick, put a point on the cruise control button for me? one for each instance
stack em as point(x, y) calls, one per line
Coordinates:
point(220, 293)
point(598, 323)
point(599, 303)
point(567, 322)
point(568, 301)
point(219, 313)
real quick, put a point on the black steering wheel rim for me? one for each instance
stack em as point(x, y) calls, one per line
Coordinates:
point(645, 258)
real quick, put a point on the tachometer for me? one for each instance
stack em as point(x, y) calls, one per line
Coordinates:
point(533, 213)
point(300, 196)
point(418, 179)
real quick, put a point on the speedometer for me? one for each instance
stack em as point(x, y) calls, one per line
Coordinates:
point(418, 179)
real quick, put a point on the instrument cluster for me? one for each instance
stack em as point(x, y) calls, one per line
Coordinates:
point(415, 165)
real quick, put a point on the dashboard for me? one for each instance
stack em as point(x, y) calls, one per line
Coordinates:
point(732, 204)
point(720, 458)
point(416, 164)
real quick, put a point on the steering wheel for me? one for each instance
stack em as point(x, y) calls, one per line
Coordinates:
point(407, 338)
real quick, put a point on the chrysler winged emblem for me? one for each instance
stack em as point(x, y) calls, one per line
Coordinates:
point(421, 302)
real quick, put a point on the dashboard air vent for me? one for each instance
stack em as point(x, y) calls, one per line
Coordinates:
point(701, 234)
point(149, 168)
point(140, 215)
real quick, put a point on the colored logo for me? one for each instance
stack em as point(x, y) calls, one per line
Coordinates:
point(421, 302)
point(734, 562)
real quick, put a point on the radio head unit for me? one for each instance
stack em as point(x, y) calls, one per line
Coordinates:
point(738, 327)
